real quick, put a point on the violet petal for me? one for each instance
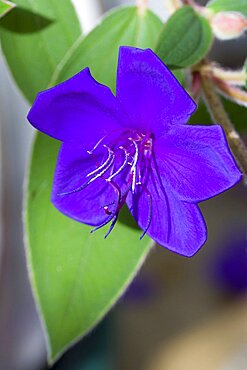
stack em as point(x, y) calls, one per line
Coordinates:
point(196, 162)
point(149, 92)
point(79, 110)
point(175, 225)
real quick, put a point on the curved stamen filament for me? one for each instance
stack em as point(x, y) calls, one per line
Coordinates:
point(112, 225)
point(121, 201)
point(113, 215)
point(139, 181)
point(103, 171)
point(103, 224)
point(91, 180)
point(133, 167)
point(123, 165)
point(135, 156)
point(130, 154)
point(110, 153)
point(96, 145)
point(133, 181)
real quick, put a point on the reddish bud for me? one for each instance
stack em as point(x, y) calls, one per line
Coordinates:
point(228, 25)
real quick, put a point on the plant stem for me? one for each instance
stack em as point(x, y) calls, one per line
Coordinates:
point(220, 116)
point(232, 77)
point(233, 93)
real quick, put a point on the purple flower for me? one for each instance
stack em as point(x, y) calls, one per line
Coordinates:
point(134, 148)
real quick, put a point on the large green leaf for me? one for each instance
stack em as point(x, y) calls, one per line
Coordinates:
point(228, 6)
point(35, 37)
point(78, 276)
point(5, 7)
point(185, 39)
point(99, 49)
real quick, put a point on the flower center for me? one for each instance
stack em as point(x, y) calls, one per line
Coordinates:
point(126, 160)
point(123, 161)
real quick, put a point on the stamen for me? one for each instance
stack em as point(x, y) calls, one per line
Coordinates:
point(107, 211)
point(110, 152)
point(117, 189)
point(112, 226)
point(133, 181)
point(103, 224)
point(96, 145)
point(136, 154)
point(106, 208)
point(140, 170)
point(139, 182)
point(111, 214)
point(91, 180)
point(123, 165)
point(133, 167)
point(103, 171)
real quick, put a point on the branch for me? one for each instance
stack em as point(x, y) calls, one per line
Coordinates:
point(220, 116)
point(229, 76)
point(233, 93)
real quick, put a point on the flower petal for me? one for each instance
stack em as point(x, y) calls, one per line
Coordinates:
point(175, 225)
point(196, 162)
point(85, 205)
point(79, 110)
point(149, 92)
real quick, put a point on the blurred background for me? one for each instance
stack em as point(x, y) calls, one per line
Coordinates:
point(179, 314)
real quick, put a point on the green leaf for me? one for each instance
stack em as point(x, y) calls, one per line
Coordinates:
point(239, 6)
point(99, 50)
point(185, 39)
point(5, 7)
point(77, 276)
point(35, 37)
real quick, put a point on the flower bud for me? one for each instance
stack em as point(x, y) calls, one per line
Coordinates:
point(228, 25)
